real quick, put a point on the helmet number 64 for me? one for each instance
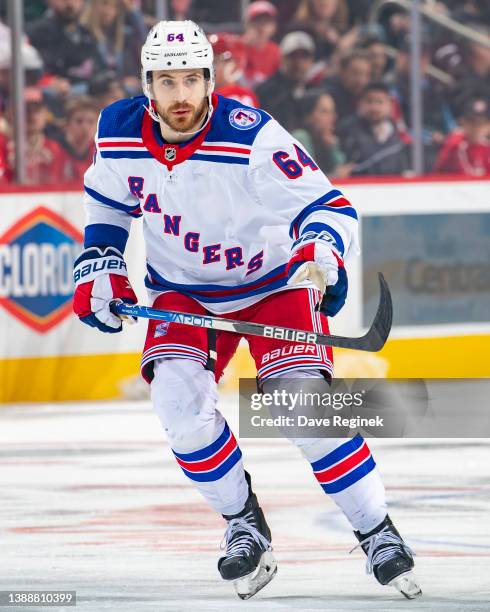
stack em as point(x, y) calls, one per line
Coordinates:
point(173, 37)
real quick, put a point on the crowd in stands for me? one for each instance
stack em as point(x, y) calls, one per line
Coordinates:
point(339, 82)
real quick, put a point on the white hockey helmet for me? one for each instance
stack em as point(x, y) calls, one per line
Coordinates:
point(176, 45)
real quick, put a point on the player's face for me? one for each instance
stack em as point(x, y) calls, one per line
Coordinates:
point(180, 97)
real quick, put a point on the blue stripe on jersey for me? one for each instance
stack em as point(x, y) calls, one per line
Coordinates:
point(218, 472)
point(323, 227)
point(320, 204)
point(328, 197)
point(221, 159)
point(104, 234)
point(349, 479)
point(338, 454)
point(131, 210)
point(126, 154)
point(207, 451)
point(246, 290)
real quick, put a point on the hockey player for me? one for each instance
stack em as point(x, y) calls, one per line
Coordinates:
point(240, 222)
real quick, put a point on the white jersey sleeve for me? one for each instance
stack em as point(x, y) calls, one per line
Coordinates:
point(288, 181)
point(110, 203)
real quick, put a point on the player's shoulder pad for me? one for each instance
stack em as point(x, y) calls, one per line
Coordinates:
point(235, 122)
point(122, 118)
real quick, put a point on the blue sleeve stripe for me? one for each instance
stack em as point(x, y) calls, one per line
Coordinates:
point(323, 227)
point(113, 203)
point(320, 204)
point(104, 234)
point(349, 211)
point(328, 197)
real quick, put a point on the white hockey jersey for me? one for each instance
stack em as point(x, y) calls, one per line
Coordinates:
point(221, 211)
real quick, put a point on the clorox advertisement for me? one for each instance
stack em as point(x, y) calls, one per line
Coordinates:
point(36, 262)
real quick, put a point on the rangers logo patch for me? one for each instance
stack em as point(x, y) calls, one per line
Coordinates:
point(244, 118)
point(161, 329)
point(170, 153)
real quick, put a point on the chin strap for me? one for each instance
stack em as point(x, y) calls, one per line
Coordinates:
point(156, 117)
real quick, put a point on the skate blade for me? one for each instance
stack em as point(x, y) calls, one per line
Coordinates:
point(247, 586)
point(407, 585)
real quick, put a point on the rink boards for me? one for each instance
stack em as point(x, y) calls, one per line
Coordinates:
point(430, 239)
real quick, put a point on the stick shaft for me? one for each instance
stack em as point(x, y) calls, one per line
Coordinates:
point(372, 341)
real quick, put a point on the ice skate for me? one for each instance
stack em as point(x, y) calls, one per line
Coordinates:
point(248, 561)
point(389, 558)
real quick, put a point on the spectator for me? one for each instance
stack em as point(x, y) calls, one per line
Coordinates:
point(229, 63)
point(262, 55)
point(78, 136)
point(395, 21)
point(474, 74)
point(120, 32)
point(328, 23)
point(282, 94)
point(318, 133)
point(438, 118)
point(376, 52)
point(354, 75)
point(69, 51)
point(180, 10)
point(106, 89)
point(6, 174)
point(44, 157)
point(370, 139)
point(31, 60)
point(467, 150)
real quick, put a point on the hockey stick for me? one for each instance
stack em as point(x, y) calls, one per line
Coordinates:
point(372, 341)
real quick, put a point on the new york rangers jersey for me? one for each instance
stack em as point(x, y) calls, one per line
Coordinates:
point(221, 211)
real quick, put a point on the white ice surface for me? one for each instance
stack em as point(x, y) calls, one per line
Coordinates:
point(91, 500)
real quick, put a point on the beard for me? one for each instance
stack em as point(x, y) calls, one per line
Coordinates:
point(184, 123)
point(68, 16)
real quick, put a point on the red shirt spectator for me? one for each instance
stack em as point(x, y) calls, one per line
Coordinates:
point(244, 95)
point(5, 166)
point(44, 157)
point(467, 150)
point(262, 55)
point(229, 67)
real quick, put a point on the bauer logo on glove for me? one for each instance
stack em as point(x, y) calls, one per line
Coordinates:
point(101, 278)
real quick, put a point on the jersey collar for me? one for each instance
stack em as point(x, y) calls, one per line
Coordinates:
point(172, 154)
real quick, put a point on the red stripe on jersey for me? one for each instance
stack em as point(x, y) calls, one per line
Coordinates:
point(339, 202)
point(225, 149)
point(122, 144)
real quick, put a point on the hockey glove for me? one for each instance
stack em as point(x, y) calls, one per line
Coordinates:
point(100, 278)
point(322, 265)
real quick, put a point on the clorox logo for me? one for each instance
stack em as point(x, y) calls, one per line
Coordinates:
point(36, 264)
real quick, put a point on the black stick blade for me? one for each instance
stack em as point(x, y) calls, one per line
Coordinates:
point(378, 333)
